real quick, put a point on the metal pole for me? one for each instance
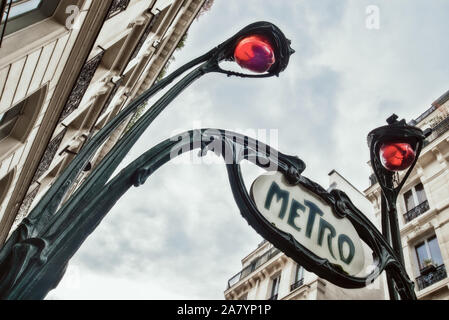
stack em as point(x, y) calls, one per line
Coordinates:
point(386, 233)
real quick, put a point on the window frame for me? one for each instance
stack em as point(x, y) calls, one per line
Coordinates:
point(44, 10)
point(425, 241)
point(44, 31)
point(299, 271)
point(31, 108)
point(12, 120)
point(414, 197)
point(275, 284)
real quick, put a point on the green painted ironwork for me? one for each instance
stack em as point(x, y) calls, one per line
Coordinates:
point(34, 258)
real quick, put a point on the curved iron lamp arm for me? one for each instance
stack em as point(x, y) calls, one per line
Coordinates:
point(24, 248)
point(51, 200)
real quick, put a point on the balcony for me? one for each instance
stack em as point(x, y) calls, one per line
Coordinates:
point(437, 130)
point(49, 155)
point(81, 85)
point(117, 6)
point(431, 277)
point(256, 263)
point(416, 211)
point(297, 284)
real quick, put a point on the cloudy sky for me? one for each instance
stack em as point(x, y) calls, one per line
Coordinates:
point(181, 236)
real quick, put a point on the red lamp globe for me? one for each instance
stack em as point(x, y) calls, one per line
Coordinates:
point(254, 53)
point(397, 156)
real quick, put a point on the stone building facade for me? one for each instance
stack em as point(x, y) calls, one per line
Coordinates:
point(66, 68)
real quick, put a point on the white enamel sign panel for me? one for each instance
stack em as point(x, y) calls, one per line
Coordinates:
point(295, 210)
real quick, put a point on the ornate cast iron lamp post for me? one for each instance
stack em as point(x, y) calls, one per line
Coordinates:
point(394, 148)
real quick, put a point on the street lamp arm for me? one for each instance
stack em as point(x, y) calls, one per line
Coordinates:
point(44, 210)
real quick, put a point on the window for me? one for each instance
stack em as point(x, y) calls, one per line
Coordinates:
point(275, 287)
point(299, 273)
point(415, 202)
point(19, 14)
point(428, 252)
point(9, 119)
point(17, 122)
point(430, 263)
point(16, 8)
point(415, 197)
point(409, 202)
point(299, 277)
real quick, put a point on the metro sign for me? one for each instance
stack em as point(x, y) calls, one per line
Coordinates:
point(295, 210)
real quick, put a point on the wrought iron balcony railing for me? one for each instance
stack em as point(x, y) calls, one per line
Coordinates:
point(49, 155)
point(253, 266)
point(81, 85)
point(437, 131)
point(432, 277)
point(117, 6)
point(416, 211)
point(297, 284)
